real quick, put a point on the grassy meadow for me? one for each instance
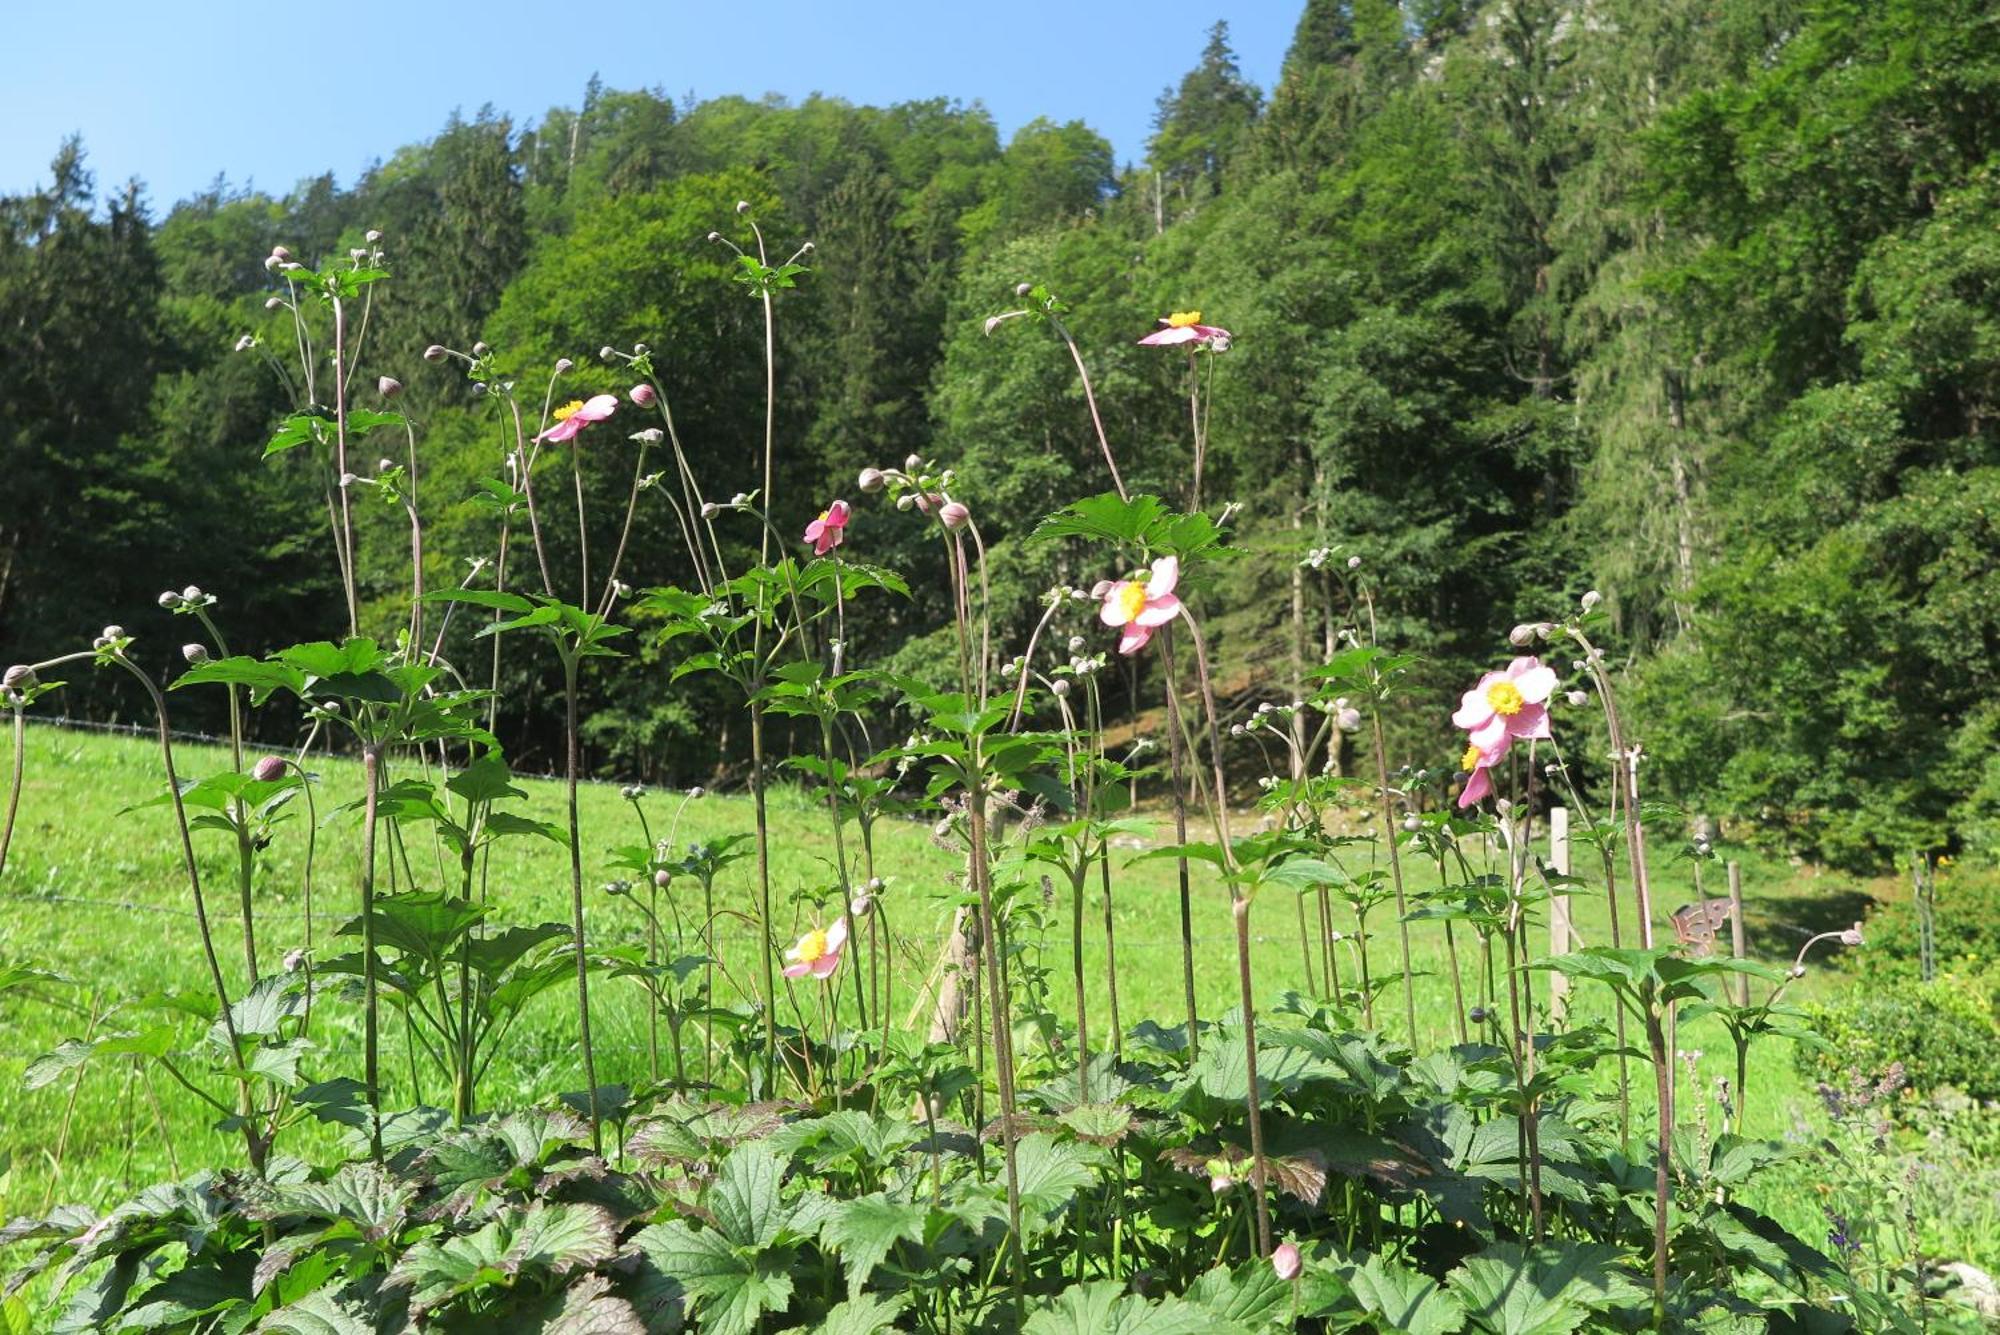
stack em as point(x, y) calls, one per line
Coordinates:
point(100, 898)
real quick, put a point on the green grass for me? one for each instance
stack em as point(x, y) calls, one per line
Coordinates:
point(101, 898)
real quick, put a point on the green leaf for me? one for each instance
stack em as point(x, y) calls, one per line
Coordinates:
point(561, 1238)
point(1549, 1289)
point(1051, 1173)
point(728, 1287)
point(865, 1229)
point(1102, 1307)
point(1252, 1296)
point(744, 1197)
point(1107, 517)
point(1404, 1300)
point(332, 1309)
point(867, 1314)
point(486, 779)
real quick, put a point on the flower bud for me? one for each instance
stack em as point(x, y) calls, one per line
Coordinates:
point(913, 463)
point(170, 600)
point(280, 254)
point(1101, 588)
point(245, 343)
point(742, 206)
point(1348, 720)
point(357, 253)
point(295, 959)
point(1522, 635)
point(564, 365)
point(434, 353)
point(715, 236)
point(861, 905)
point(270, 263)
point(1220, 1182)
point(1354, 563)
point(114, 632)
point(274, 303)
point(389, 387)
point(1287, 1262)
point(663, 878)
point(643, 395)
point(19, 677)
point(1412, 823)
point(349, 479)
point(268, 768)
point(195, 654)
point(871, 479)
point(1852, 936)
point(372, 235)
point(696, 793)
point(1477, 1015)
point(1578, 698)
point(1023, 289)
point(1060, 686)
point(652, 435)
point(481, 350)
point(1591, 599)
point(632, 792)
point(954, 515)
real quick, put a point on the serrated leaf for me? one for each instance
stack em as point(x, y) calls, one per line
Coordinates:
point(867, 1314)
point(329, 1310)
point(865, 1229)
point(1102, 1307)
point(728, 1288)
point(1549, 1289)
point(1404, 1300)
point(1252, 1296)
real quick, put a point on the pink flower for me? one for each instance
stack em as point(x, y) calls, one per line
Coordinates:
point(268, 768)
point(818, 951)
point(1185, 327)
point(1478, 765)
point(1141, 608)
point(575, 415)
point(643, 395)
point(824, 533)
point(1287, 1262)
point(1508, 706)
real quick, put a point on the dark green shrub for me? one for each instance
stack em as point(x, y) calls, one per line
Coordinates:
point(1942, 1032)
point(1966, 927)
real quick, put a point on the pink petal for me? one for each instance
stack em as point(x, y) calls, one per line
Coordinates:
point(836, 514)
point(1491, 735)
point(1134, 639)
point(836, 935)
point(1535, 682)
point(826, 964)
point(1112, 613)
point(596, 408)
point(562, 430)
point(814, 530)
point(1210, 331)
point(1158, 611)
point(797, 970)
point(1476, 787)
point(1166, 574)
point(1160, 338)
point(1531, 724)
point(1473, 711)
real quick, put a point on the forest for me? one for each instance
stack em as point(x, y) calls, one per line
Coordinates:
point(1693, 303)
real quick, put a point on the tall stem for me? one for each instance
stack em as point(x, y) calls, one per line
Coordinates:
point(371, 778)
point(346, 536)
point(576, 902)
point(14, 789)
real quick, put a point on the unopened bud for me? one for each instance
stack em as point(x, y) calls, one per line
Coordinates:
point(349, 479)
point(742, 206)
point(245, 343)
point(295, 959)
point(280, 254)
point(652, 435)
point(696, 792)
point(709, 509)
point(861, 905)
point(632, 792)
point(193, 594)
point(1023, 289)
point(663, 878)
point(1101, 588)
point(715, 236)
point(170, 600)
point(1060, 686)
point(18, 677)
point(913, 463)
point(564, 365)
point(1477, 1015)
point(954, 515)
point(195, 654)
point(274, 303)
point(871, 479)
point(1852, 936)
point(359, 252)
point(268, 768)
point(1220, 1182)
point(1591, 598)
point(1354, 563)
point(1522, 635)
point(372, 235)
point(389, 387)
point(1578, 698)
point(1348, 720)
point(643, 395)
point(435, 353)
point(1412, 823)
point(1287, 1262)
point(481, 350)
point(114, 632)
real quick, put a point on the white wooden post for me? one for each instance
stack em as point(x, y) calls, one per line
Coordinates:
point(1736, 932)
point(1559, 922)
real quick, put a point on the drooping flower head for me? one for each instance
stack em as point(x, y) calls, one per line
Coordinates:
point(1508, 706)
point(825, 532)
point(1478, 766)
point(1287, 1262)
point(1185, 327)
point(1139, 608)
point(818, 951)
point(577, 414)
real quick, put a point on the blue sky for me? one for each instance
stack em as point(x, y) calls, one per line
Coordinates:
point(176, 91)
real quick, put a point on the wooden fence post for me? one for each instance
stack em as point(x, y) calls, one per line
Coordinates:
point(1559, 921)
point(1736, 931)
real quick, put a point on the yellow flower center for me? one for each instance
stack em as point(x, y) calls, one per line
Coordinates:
point(1505, 697)
point(1131, 599)
point(812, 947)
point(568, 410)
point(1470, 760)
point(823, 514)
point(1182, 319)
